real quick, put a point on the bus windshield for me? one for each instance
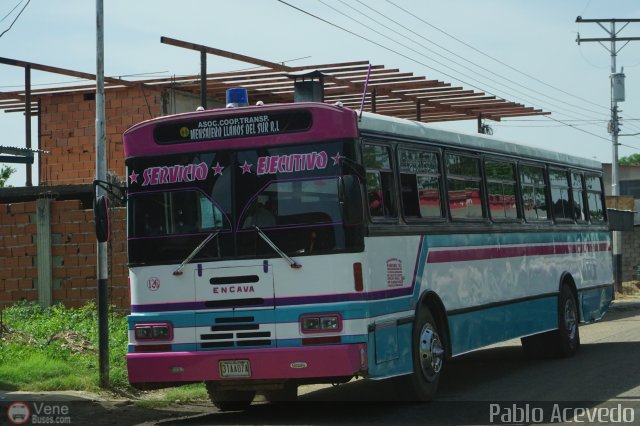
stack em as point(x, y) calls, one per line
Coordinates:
point(290, 193)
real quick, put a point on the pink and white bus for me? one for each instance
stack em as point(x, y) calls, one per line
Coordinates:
point(277, 245)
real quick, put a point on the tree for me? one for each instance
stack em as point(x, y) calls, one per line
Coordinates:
point(5, 174)
point(630, 160)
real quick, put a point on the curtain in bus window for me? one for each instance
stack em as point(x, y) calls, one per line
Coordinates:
point(420, 184)
point(594, 198)
point(578, 197)
point(534, 200)
point(559, 182)
point(463, 187)
point(374, 194)
point(501, 184)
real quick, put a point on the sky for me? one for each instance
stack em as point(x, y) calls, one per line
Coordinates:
point(521, 51)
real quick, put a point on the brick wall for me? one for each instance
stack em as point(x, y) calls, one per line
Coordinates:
point(17, 252)
point(67, 132)
point(630, 253)
point(73, 254)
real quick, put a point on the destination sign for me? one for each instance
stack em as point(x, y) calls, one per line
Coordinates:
point(233, 127)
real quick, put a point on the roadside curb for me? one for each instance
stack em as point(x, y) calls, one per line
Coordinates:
point(625, 305)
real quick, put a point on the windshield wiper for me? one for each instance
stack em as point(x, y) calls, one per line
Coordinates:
point(194, 252)
point(273, 245)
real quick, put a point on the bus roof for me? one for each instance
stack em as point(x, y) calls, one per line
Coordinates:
point(398, 127)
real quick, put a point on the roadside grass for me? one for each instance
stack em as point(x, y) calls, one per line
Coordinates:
point(56, 348)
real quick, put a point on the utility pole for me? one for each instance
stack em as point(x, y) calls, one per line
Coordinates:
point(614, 125)
point(101, 174)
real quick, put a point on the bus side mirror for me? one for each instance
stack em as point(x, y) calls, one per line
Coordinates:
point(101, 216)
point(351, 200)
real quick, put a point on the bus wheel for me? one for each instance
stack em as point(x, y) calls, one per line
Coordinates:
point(289, 393)
point(229, 399)
point(428, 357)
point(563, 342)
point(568, 334)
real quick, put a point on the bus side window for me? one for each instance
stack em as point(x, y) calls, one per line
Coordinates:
point(594, 199)
point(559, 182)
point(380, 181)
point(501, 185)
point(577, 184)
point(420, 183)
point(463, 187)
point(533, 192)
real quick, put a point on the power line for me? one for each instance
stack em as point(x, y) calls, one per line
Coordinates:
point(464, 59)
point(418, 62)
point(577, 128)
point(440, 63)
point(11, 11)
point(629, 146)
point(377, 44)
point(492, 58)
point(16, 18)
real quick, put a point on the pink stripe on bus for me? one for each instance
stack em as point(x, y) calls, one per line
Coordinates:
point(485, 253)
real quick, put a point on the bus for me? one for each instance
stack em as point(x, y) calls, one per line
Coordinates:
point(272, 246)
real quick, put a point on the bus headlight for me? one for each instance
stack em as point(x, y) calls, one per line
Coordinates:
point(154, 331)
point(321, 323)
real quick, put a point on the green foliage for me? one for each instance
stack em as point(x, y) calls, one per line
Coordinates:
point(5, 174)
point(630, 160)
point(57, 348)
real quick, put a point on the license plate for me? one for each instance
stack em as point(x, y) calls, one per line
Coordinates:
point(235, 368)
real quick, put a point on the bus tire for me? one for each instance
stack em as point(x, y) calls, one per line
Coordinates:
point(568, 333)
point(229, 399)
point(428, 357)
point(563, 342)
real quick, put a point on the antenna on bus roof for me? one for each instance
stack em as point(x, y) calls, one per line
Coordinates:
point(364, 93)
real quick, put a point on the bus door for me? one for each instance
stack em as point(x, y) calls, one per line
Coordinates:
point(240, 306)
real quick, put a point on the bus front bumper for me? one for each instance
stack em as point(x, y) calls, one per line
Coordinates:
point(264, 364)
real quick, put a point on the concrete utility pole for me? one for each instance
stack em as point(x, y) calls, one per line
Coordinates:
point(614, 125)
point(101, 174)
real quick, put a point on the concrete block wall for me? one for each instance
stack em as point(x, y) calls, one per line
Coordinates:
point(67, 132)
point(73, 254)
point(630, 254)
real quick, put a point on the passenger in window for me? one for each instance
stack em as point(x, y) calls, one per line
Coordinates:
point(376, 204)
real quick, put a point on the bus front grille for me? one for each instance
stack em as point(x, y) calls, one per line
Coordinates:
point(229, 332)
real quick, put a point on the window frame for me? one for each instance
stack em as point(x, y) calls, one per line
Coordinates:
point(583, 192)
point(545, 178)
point(439, 176)
point(391, 172)
point(569, 188)
point(602, 198)
point(480, 179)
point(505, 160)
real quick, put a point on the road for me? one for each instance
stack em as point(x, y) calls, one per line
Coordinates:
point(490, 386)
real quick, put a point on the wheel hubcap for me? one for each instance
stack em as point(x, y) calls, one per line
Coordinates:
point(431, 352)
point(570, 318)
